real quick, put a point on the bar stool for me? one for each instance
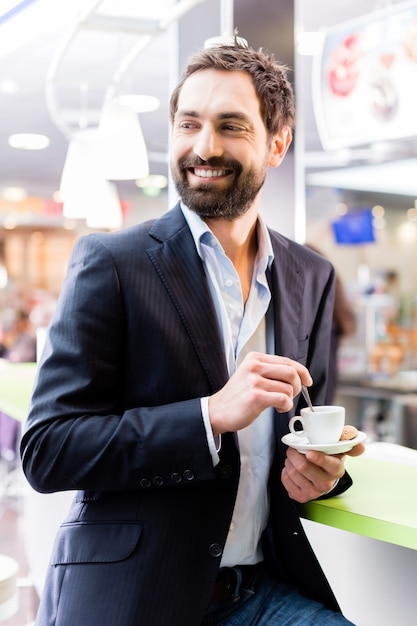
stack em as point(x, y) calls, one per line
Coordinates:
point(8, 587)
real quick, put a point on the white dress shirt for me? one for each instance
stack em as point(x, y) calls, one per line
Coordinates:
point(243, 328)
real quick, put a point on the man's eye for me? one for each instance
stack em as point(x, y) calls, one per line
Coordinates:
point(187, 125)
point(233, 128)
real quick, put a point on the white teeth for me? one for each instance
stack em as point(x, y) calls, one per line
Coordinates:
point(209, 173)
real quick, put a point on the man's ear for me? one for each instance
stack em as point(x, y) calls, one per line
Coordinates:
point(280, 144)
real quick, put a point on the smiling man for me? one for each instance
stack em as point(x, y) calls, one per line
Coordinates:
point(173, 363)
point(219, 157)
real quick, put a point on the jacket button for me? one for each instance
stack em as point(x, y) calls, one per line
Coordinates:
point(145, 483)
point(158, 481)
point(176, 477)
point(225, 471)
point(188, 475)
point(215, 550)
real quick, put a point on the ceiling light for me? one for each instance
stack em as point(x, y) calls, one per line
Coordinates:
point(106, 212)
point(121, 146)
point(29, 141)
point(84, 191)
point(79, 170)
point(139, 103)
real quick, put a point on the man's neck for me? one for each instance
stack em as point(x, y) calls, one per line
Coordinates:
point(240, 243)
point(237, 236)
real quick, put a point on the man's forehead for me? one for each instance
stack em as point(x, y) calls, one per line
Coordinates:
point(232, 90)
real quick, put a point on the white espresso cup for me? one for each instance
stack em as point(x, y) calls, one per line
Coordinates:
point(323, 425)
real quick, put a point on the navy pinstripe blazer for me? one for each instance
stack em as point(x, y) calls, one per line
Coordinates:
point(115, 416)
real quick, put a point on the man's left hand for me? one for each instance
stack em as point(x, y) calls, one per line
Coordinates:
point(308, 476)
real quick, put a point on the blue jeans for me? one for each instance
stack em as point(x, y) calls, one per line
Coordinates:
point(272, 604)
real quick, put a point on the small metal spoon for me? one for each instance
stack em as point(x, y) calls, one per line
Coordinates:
point(306, 395)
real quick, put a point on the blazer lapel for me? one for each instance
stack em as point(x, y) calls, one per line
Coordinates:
point(287, 286)
point(180, 269)
point(287, 289)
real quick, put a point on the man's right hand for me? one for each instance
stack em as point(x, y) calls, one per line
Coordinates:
point(260, 381)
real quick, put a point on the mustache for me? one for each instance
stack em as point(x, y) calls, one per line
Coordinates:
point(214, 162)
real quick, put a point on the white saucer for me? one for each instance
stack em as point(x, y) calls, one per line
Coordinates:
point(303, 445)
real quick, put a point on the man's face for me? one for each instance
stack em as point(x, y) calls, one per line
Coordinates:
point(220, 150)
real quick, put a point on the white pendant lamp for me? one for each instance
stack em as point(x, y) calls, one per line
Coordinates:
point(120, 143)
point(84, 191)
point(80, 170)
point(106, 212)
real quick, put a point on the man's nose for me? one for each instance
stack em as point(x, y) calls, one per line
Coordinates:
point(207, 144)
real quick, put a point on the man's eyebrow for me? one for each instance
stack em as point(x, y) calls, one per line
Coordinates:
point(227, 115)
point(186, 113)
point(236, 115)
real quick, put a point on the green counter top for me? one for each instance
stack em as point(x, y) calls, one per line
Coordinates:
point(16, 383)
point(381, 504)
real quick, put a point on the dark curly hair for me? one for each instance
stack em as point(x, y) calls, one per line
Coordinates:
point(269, 77)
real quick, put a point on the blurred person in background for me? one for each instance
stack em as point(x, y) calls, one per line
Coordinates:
point(22, 338)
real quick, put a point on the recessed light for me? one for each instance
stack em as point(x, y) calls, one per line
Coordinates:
point(139, 103)
point(29, 141)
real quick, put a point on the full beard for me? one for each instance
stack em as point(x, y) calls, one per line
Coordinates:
point(208, 201)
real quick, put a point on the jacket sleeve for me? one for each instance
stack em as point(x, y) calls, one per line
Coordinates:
point(81, 433)
point(341, 486)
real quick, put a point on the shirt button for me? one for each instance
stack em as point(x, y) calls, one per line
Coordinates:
point(229, 282)
point(145, 483)
point(232, 526)
point(215, 550)
point(158, 481)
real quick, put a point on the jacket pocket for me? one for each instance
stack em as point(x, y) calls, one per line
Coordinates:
point(103, 542)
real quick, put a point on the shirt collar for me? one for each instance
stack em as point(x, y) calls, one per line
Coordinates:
point(198, 228)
